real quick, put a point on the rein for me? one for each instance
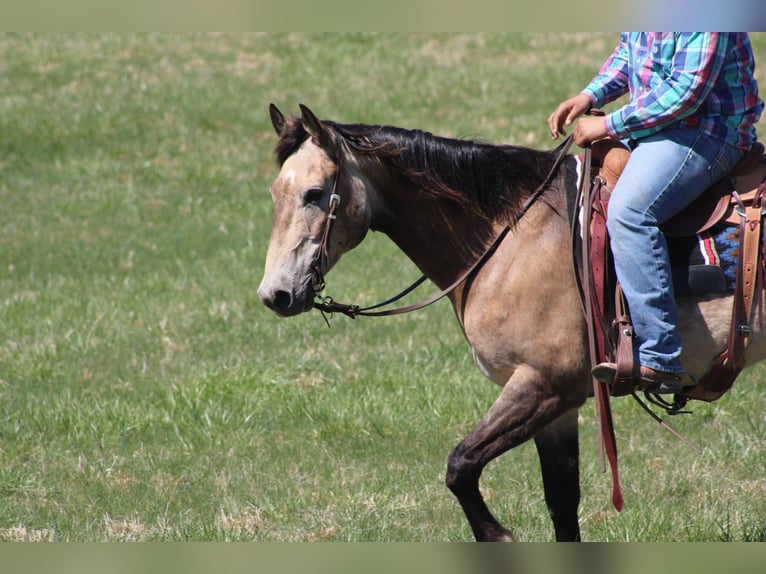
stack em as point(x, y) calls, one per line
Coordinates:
point(328, 305)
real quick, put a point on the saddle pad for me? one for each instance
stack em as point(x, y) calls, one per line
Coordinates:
point(705, 263)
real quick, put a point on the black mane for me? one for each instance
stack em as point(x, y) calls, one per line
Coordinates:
point(487, 179)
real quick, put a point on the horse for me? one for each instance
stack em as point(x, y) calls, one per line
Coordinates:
point(445, 203)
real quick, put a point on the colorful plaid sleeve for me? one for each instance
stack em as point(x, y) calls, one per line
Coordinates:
point(688, 79)
point(612, 80)
point(688, 74)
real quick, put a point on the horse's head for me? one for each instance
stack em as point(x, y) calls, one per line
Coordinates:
point(318, 194)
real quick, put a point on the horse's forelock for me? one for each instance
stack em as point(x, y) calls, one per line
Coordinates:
point(292, 136)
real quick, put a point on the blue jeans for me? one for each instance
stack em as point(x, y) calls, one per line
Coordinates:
point(665, 173)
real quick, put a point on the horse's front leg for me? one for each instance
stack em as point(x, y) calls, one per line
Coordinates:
point(559, 450)
point(526, 405)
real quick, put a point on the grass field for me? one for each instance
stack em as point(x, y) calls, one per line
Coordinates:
point(145, 394)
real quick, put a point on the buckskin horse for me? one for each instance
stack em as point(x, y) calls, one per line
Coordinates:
point(490, 224)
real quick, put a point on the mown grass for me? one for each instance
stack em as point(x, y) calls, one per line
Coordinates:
point(145, 394)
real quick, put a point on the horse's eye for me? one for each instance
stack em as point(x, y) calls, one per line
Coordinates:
point(313, 196)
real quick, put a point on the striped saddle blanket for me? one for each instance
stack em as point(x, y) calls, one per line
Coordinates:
point(706, 262)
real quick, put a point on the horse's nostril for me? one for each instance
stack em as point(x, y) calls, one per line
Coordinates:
point(282, 300)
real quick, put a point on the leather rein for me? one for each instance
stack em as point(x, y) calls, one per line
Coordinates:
point(326, 304)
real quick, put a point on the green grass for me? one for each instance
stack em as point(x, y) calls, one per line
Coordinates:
point(145, 394)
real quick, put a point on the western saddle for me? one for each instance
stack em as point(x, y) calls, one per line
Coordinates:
point(738, 200)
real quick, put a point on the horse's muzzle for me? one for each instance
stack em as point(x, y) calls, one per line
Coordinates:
point(283, 302)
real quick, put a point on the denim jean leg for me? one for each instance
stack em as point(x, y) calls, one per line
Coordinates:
point(665, 173)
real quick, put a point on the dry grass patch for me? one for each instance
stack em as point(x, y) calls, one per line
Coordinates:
point(23, 534)
point(130, 530)
point(249, 523)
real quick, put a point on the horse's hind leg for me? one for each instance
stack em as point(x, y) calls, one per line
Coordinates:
point(559, 451)
point(524, 408)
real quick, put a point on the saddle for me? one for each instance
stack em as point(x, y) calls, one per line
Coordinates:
point(736, 200)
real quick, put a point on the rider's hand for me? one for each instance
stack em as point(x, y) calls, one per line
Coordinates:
point(566, 113)
point(589, 129)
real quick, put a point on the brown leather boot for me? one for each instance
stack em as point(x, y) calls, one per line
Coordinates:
point(647, 379)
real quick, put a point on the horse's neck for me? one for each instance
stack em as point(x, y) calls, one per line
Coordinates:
point(441, 239)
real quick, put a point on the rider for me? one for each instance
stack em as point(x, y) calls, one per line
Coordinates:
point(693, 103)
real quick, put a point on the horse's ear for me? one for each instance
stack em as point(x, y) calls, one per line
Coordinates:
point(277, 119)
point(314, 127)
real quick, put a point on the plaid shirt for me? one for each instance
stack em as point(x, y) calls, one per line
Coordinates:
point(684, 79)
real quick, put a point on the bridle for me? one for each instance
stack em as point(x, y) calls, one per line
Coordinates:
point(323, 251)
point(326, 304)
